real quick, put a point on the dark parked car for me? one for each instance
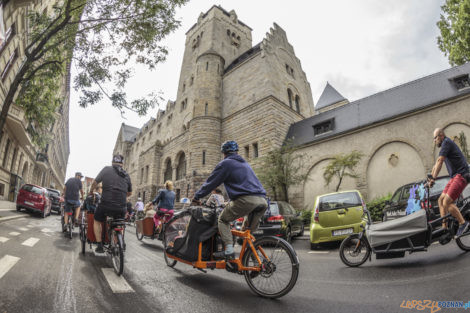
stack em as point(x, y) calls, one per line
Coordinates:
point(54, 196)
point(396, 206)
point(34, 199)
point(280, 220)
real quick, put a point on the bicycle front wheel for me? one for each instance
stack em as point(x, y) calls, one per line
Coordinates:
point(279, 267)
point(354, 251)
point(117, 252)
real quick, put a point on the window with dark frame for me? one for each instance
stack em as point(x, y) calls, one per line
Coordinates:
point(297, 103)
point(247, 152)
point(255, 150)
point(461, 82)
point(9, 64)
point(5, 154)
point(289, 95)
point(206, 109)
point(204, 157)
point(323, 127)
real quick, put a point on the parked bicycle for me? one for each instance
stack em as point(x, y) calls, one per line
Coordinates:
point(270, 265)
point(412, 233)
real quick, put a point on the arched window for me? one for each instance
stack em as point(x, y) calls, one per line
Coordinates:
point(289, 95)
point(206, 109)
point(297, 103)
point(168, 171)
point(181, 168)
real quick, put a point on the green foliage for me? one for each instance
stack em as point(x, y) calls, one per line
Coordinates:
point(376, 207)
point(306, 216)
point(341, 166)
point(103, 39)
point(454, 25)
point(279, 169)
point(463, 145)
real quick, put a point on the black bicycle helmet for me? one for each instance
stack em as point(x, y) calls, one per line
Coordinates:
point(229, 146)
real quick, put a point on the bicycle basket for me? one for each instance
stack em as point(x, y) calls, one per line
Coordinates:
point(175, 232)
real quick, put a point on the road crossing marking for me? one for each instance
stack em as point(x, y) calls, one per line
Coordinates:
point(7, 209)
point(4, 239)
point(14, 233)
point(23, 229)
point(319, 252)
point(117, 283)
point(46, 230)
point(30, 242)
point(6, 263)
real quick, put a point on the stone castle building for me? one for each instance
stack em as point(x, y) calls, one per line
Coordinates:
point(228, 89)
point(21, 161)
point(259, 96)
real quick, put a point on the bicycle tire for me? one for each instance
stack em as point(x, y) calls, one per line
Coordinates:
point(348, 242)
point(117, 252)
point(70, 227)
point(83, 238)
point(169, 261)
point(271, 267)
point(139, 235)
point(464, 241)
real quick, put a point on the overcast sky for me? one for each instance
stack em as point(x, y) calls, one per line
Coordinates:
point(360, 47)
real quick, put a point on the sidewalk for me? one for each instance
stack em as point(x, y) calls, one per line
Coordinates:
point(8, 211)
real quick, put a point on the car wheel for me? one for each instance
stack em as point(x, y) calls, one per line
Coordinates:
point(18, 208)
point(301, 232)
point(288, 235)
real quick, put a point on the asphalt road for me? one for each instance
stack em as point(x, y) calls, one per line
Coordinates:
point(41, 271)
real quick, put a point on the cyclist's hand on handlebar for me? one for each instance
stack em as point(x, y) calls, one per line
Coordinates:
point(197, 202)
point(431, 182)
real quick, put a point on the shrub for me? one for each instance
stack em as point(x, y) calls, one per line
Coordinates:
point(306, 216)
point(376, 207)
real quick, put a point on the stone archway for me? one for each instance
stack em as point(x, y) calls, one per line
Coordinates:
point(168, 171)
point(315, 184)
point(392, 165)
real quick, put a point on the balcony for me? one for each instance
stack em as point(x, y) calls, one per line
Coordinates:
point(16, 120)
point(42, 160)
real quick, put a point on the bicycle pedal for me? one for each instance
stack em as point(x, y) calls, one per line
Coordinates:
point(231, 267)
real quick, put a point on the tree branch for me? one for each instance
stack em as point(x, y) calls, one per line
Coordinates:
point(43, 65)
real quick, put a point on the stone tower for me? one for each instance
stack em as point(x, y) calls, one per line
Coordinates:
point(216, 40)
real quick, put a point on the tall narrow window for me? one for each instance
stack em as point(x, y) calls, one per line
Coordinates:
point(184, 87)
point(247, 152)
point(207, 66)
point(255, 150)
point(206, 108)
point(5, 155)
point(289, 95)
point(297, 103)
point(141, 175)
point(217, 68)
point(143, 198)
point(204, 157)
point(147, 174)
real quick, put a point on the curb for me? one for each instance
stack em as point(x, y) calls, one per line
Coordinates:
point(14, 217)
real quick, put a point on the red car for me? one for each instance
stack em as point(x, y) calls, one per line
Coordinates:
point(35, 199)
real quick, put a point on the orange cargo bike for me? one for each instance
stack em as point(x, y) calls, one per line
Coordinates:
point(269, 264)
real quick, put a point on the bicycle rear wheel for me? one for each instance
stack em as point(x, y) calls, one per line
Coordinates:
point(169, 261)
point(70, 227)
point(83, 237)
point(117, 252)
point(279, 268)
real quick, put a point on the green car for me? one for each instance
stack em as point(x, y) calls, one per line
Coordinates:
point(336, 216)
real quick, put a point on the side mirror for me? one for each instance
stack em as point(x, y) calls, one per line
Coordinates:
point(185, 200)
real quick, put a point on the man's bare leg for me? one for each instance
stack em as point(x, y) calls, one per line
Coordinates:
point(450, 206)
point(442, 209)
point(97, 230)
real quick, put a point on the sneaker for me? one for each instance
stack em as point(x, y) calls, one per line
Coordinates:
point(462, 229)
point(222, 255)
point(99, 249)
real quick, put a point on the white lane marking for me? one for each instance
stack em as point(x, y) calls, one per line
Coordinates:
point(117, 283)
point(6, 263)
point(46, 230)
point(14, 233)
point(7, 209)
point(23, 229)
point(319, 252)
point(4, 239)
point(30, 242)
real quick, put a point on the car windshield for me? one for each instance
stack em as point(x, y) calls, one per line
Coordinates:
point(33, 189)
point(273, 210)
point(439, 185)
point(339, 201)
point(54, 192)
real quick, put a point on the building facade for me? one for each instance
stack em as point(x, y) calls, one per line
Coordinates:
point(259, 96)
point(228, 89)
point(21, 161)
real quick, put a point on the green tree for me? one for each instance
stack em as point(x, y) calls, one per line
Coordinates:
point(463, 145)
point(279, 169)
point(341, 166)
point(454, 25)
point(105, 39)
